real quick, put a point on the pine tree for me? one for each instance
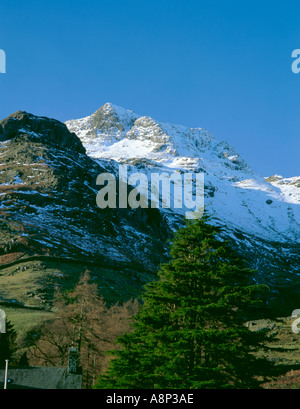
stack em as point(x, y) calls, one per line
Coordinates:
point(190, 332)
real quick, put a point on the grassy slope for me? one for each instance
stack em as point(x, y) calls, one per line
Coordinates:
point(27, 286)
point(31, 284)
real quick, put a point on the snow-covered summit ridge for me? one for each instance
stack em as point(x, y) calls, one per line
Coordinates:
point(116, 133)
point(236, 195)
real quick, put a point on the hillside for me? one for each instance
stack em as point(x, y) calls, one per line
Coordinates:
point(260, 215)
point(51, 229)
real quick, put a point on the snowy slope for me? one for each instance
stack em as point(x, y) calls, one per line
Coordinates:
point(267, 208)
point(48, 201)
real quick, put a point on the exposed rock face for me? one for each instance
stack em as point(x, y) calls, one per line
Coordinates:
point(108, 121)
point(51, 228)
point(48, 131)
point(48, 209)
point(261, 216)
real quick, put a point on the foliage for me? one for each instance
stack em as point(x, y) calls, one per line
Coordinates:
point(84, 320)
point(190, 332)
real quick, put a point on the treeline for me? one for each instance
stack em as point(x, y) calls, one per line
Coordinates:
point(81, 319)
point(189, 332)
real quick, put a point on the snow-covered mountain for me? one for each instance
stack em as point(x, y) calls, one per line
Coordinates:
point(235, 193)
point(51, 228)
point(261, 214)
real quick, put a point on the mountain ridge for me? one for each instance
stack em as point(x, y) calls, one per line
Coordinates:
point(48, 212)
point(170, 147)
point(260, 215)
point(51, 229)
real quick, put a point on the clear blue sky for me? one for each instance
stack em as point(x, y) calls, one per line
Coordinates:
point(221, 65)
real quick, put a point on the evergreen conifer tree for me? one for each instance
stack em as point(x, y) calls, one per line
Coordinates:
point(190, 332)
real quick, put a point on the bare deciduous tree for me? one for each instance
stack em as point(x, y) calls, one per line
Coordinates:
point(84, 320)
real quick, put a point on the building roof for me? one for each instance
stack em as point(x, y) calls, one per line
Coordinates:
point(41, 378)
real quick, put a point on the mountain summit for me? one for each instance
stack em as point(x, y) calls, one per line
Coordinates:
point(235, 193)
point(260, 215)
point(51, 229)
